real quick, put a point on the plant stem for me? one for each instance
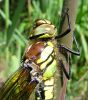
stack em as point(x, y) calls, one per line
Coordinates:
point(68, 39)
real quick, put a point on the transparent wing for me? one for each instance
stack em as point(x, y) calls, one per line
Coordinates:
point(19, 86)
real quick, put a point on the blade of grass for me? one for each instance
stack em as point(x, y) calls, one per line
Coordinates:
point(43, 5)
point(6, 27)
point(6, 14)
point(84, 44)
point(17, 31)
point(15, 20)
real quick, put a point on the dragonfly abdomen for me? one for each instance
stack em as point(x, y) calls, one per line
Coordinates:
point(49, 89)
point(45, 90)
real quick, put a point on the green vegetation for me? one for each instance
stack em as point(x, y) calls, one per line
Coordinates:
point(16, 20)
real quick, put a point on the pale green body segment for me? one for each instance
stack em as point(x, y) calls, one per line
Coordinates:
point(49, 88)
point(50, 70)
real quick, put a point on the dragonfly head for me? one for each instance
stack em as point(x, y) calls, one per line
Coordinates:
point(43, 29)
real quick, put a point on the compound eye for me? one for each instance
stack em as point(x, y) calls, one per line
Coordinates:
point(39, 22)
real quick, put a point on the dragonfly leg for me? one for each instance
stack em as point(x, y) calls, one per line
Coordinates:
point(65, 33)
point(68, 29)
point(67, 73)
point(69, 50)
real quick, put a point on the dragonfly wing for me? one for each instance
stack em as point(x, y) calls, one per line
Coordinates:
point(18, 86)
point(27, 90)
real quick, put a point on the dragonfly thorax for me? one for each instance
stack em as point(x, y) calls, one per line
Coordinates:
point(43, 29)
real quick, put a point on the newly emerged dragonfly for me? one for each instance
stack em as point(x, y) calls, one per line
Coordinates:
point(39, 64)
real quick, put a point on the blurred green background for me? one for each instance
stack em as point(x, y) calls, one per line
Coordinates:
point(16, 20)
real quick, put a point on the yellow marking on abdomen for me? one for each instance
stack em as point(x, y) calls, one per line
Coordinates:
point(50, 70)
point(42, 66)
point(50, 44)
point(44, 55)
point(49, 82)
point(48, 88)
point(48, 95)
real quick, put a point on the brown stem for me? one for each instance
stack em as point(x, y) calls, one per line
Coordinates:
point(68, 39)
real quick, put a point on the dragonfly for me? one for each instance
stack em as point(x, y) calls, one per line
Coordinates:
point(39, 64)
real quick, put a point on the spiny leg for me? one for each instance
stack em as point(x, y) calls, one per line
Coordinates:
point(64, 49)
point(68, 29)
point(75, 41)
point(65, 33)
point(61, 47)
point(67, 74)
